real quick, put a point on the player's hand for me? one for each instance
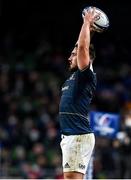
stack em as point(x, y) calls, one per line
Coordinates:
point(90, 17)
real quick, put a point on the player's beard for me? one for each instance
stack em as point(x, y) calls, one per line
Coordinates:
point(73, 69)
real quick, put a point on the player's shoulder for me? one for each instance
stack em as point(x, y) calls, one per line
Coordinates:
point(88, 69)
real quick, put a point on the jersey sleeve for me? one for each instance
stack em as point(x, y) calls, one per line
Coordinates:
point(85, 75)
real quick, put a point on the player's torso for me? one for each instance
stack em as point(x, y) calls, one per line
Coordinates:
point(68, 90)
point(77, 92)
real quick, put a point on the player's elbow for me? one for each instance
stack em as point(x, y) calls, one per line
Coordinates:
point(83, 50)
point(82, 47)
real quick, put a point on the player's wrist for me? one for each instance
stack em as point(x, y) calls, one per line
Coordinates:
point(87, 23)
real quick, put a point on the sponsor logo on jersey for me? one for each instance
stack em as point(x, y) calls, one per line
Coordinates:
point(65, 88)
point(72, 77)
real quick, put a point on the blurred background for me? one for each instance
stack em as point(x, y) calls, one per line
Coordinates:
point(36, 39)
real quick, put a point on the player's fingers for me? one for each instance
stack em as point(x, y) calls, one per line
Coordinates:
point(85, 11)
point(93, 11)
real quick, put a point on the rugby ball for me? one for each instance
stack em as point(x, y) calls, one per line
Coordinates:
point(102, 22)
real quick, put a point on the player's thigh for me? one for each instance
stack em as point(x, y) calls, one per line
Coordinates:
point(73, 175)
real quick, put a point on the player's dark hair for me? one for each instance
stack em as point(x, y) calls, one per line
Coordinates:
point(92, 52)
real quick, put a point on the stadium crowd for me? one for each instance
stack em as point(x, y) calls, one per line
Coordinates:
point(30, 83)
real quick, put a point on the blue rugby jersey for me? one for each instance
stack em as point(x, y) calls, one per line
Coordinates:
point(77, 93)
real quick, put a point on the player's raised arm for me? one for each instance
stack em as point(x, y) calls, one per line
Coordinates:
point(83, 58)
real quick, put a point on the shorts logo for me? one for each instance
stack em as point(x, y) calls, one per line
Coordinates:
point(81, 166)
point(66, 165)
